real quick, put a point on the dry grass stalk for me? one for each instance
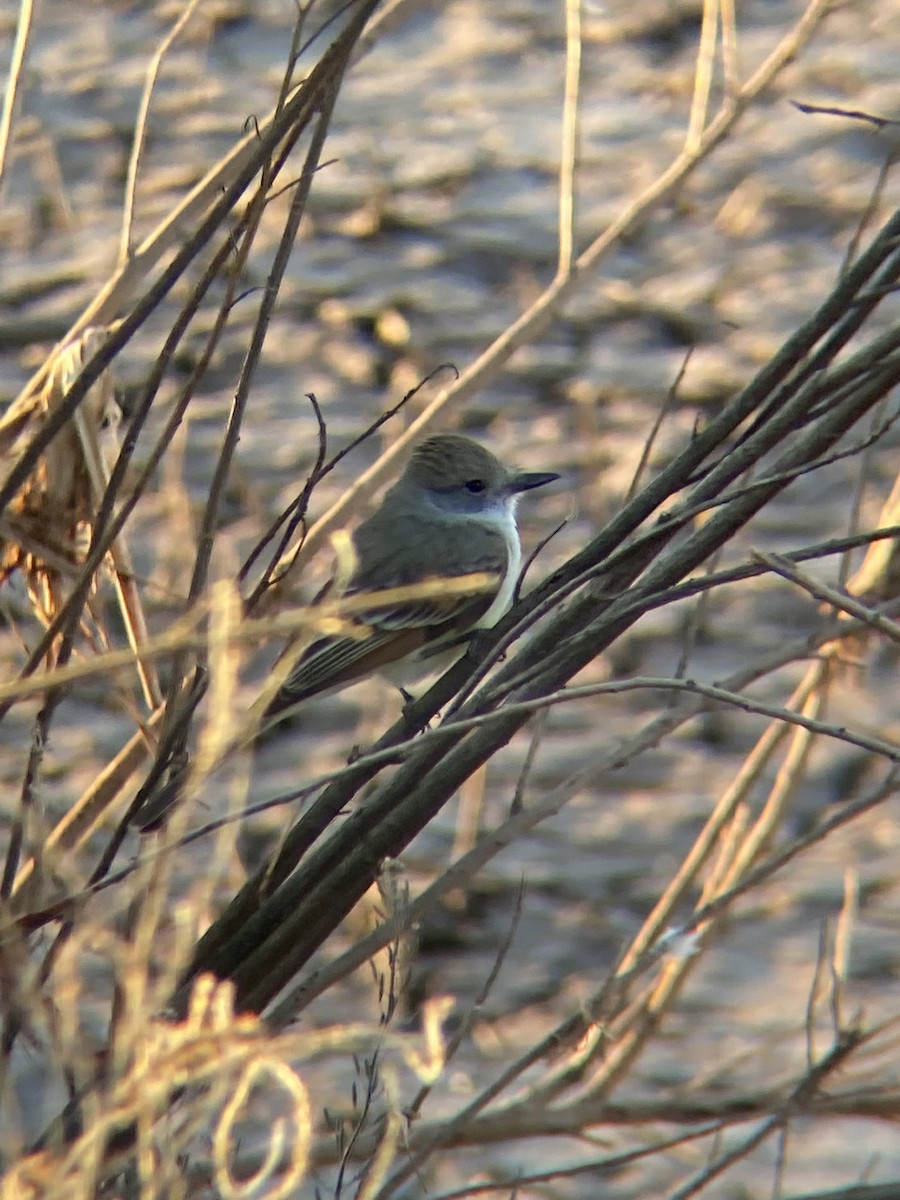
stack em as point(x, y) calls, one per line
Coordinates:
point(181, 1057)
point(50, 522)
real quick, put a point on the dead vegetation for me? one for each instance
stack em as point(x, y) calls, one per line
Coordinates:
point(202, 1080)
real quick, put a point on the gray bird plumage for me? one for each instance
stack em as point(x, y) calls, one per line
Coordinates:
point(451, 513)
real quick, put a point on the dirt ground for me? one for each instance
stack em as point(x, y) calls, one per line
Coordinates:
point(431, 226)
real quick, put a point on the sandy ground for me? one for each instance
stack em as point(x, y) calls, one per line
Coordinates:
point(429, 230)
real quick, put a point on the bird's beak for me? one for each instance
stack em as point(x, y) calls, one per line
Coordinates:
point(524, 481)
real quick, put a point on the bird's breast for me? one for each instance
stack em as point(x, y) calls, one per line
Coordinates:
point(506, 524)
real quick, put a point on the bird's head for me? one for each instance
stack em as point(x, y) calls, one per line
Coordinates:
point(459, 475)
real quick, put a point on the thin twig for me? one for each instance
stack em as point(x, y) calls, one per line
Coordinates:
point(569, 140)
point(17, 62)
point(140, 129)
point(703, 74)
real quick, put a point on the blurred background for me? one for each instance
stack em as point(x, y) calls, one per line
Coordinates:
point(431, 226)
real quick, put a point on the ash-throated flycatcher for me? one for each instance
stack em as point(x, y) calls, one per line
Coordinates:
point(451, 513)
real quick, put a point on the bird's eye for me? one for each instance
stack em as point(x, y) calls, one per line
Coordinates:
point(475, 486)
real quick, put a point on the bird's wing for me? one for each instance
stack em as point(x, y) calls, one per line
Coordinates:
point(389, 632)
point(414, 549)
point(428, 611)
point(335, 661)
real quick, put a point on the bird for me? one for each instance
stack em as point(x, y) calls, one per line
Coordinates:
point(451, 513)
